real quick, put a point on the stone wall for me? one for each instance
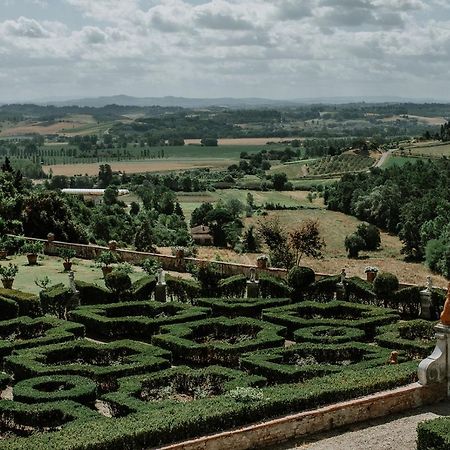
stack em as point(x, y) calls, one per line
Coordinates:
point(327, 418)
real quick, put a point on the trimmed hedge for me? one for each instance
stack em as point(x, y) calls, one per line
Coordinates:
point(329, 335)
point(332, 314)
point(143, 288)
point(137, 320)
point(58, 300)
point(205, 341)
point(51, 388)
point(25, 332)
point(28, 304)
point(150, 428)
point(9, 309)
point(415, 337)
point(91, 294)
point(323, 290)
point(434, 434)
point(360, 291)
point(301, 362)
point(407, 300)
point(248, 307)
point(273, 287)
point(103, 363)
point(175, 385)
point(233, 287)
point(182, 290)
point(299, 279)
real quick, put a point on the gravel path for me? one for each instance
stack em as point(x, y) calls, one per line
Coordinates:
point(393, 432)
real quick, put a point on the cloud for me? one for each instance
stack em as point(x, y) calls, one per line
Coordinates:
point(24, 27)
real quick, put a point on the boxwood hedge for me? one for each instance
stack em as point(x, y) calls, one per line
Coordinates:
point(103, 363)
point(307, 360)
point(9, 309)
point(51, 388)
point(91, 294)
point(150, 427)
point(334, 314)
point(137, 320)
point(434, 434)
point(329, 335)
point(28, 304)
point(249, 307)
point(25, 332)
point(218, 340)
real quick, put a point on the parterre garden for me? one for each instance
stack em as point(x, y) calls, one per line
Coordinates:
point(138, 373)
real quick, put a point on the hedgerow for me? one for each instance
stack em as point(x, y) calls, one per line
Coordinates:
point(334, 314)
point(249, 307)
point(103, 363)
point(25, 332)
point(50, 388)
point(9, 309)
point(143, 288)
point(307, 360)
point(414, 336)
point(91, 294)
point(182, 290)
point(329, 335)
point(273, 287)
point(218, 340)
point(323, 290)
point(137, 320)
point(233, 287)
point(28, 304)
point(58, 300)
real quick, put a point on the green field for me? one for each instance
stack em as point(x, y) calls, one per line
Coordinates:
point(399, 161)
point(436, 149)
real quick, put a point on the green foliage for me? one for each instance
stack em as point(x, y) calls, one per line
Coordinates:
point(209, 278)
point(33, 248)
point(385, 285)
point(105, 259)
point(328, 334)
point(143, 288)
point(246, 394)
point(55, 388)
point(323, 290)
point(182, 289)
point(58, 300)
point(434, 434)
point(67, 253)
point(151, 266)
point(354, 243)
point(136, 320)
point(408, 301)
point(233, 287)
point(299, 279)
point(91, 294)
point(118, 282)
point(360, 291)
point(370, 235)
point(272, 287)
point(29, 304)
point(9, 309)
point(9, 272)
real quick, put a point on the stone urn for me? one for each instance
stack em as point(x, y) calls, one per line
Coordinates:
point(50, 237)
point(262, 262)
point(112, 245)
point(371, 273)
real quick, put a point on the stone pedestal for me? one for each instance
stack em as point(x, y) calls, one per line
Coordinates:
point(340, 292)
point(161, 292)
point(436, 368)
point(425, 304)
point(252, 289)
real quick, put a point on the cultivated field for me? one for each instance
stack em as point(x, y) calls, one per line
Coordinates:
point(246, 141)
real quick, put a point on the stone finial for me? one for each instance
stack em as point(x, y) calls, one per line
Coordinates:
point(445, 315)
point(112, 245)
point(50, 237)
point(343, 276)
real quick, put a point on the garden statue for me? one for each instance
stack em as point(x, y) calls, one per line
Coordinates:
point(252, 275)
point(161, 277)
point(343, 276)
point(393, 359)
point(73, 288)
point(429, 285)
point(445, 315)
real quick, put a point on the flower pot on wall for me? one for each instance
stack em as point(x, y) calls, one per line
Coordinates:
point(371, 276)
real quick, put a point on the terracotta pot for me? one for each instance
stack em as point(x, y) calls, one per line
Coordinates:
point(67, 265)
point(371, 276)
point(3, 254)
point(32, 259)
point(261, 263)
point(8, 283)
point(106, 270)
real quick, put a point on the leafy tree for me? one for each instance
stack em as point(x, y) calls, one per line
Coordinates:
point(250, 241)
point(370, 235)
point(306, 241)
point(354, 243)
point(143, 239)
point(199, 214)
point(105, 175)
point(110, 195)
point(279, 181)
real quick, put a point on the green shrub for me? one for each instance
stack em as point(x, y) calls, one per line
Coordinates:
point(384, 286)
point(58, 300)
point(354, 244)
point(143, 288)
point(370, 234)
point(333, 314)
point(103, 363)
point(299, 279)
point(434, 434)
point(29, 304)
point(105, 259)
point(182, 289)
point(360, 291)
point(218, 340)
point(246, 394)
point(137, 320)
point(329, 335)
point(91, 294)
point(9, 309)
point(233, 287)
point(118, 282)
point(209, 279)
point(151, 266)
point(33, 248)
point(408, 301)
point(52, 388)
point(301, 362)
point(273, 287)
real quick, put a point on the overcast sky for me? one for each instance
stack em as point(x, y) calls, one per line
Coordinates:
point(282, 49)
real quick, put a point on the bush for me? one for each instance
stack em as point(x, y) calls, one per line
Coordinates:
point(354, 244)
point(408, 300)
point(323, 290)
point(329, 335)
point(118, 283)
point(209, 279)
point(235, 286)
point(360, 291)
point(218, 340)
point(273, 287)
point(91, 294)
point(136, 320)
point(55, 388)
point(384, 286)
point(434, 434)
point(299, 279)
point(143, 288)
point(58, 300)
point(29, 304)
point(33, 248)
point(182, 289)
point(9, 309)
point(370, 234)
point(151, 266)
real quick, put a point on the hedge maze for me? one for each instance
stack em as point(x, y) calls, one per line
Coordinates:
point(141, 374)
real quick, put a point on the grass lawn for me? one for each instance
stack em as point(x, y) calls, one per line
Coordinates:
point(399, 161)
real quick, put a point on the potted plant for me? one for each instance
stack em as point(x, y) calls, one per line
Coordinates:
point(67, 254)
point(32, 250)
point(105, 260)
point(8, 274)
point(371, 273)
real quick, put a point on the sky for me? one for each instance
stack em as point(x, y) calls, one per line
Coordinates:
point(280, 49)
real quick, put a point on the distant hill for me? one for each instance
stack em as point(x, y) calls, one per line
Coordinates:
point(227, 102)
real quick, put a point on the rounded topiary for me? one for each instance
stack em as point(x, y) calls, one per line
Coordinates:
point(354, 244)
point(384, 285)
point(118, 282)
point(51, 388)
point(299, 278)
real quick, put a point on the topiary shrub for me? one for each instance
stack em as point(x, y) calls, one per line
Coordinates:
point(209, 279)
point(29, 304)
point(143, 288)
point(118, 282)
point(299, 279)
point(329, 335)
point(58, 300)
point(9, 309)
point(408, 301)
point(182, 289)
point(354, 244)
point(271, 287)
point(434, 434)
point(323, 290)
point(360, 291)
point(384, 287)
point(91, 294)
point(233, 287)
